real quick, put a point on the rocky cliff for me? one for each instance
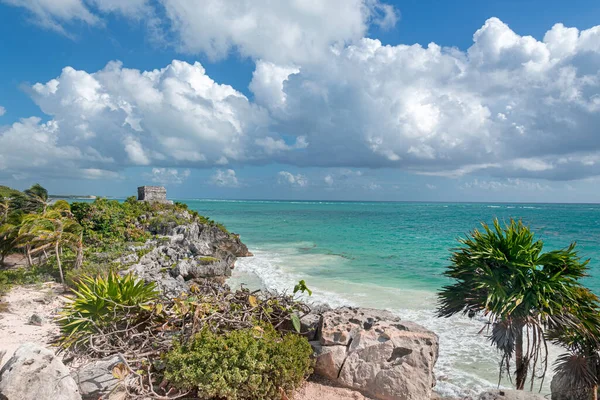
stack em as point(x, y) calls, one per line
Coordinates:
point(183, 253)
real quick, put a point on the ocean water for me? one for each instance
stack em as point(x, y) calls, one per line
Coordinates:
point(391, 256)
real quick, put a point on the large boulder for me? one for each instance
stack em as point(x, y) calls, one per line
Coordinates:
point(375, 352)
point(35, 373)
point(563, 389)
point(502, 394)
point(96, 379)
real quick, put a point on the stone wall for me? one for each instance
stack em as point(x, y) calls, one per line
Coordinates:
point(156, 194)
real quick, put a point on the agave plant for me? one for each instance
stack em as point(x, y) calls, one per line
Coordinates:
point(502, 273)
point(101, 301)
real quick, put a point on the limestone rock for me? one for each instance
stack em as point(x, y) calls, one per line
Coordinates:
point(510, 395)
point(377, 353)
point(309, 326)
point(96, 379)
point(36, 320)
point(35, 373)
point(339, 326)
point(194, 251)
point(329, 360)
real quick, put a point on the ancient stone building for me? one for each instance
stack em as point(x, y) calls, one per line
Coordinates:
point(153, 194)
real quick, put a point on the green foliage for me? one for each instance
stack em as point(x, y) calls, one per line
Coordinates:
point(31, 200)
point(207, 260)
point(580, 365)
point(5, 191)
point(163, 223)
point(502, 273)
point(301, 287)
point(23, 276)
point(103, 300)
point(61, 205)
point(243, 364)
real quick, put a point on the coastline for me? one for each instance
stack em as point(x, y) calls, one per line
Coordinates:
point(467, 364)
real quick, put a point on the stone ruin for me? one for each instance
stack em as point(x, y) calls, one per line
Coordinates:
point(153, 194)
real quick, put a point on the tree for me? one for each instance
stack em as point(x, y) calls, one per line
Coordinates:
point(52, 230)
point(578, 370)
point(4, 207)
point(9, 232)
point(38, 197)
point(502, 273)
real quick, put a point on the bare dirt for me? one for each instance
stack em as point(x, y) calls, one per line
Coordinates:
point(18, 306)
point(321, 389)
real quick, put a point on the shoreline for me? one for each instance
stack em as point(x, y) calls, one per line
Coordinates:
point(467, 364)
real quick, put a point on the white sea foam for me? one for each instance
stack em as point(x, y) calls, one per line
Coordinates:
point(467, 363)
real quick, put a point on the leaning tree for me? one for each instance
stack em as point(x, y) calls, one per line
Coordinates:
point(500, 272)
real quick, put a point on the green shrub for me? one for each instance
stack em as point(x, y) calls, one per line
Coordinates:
point(207, 260)
point(102, 301)
point(23, 276)
point(242, 364)
point(162, 224)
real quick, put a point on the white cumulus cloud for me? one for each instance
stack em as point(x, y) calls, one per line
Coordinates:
point(2, 111)
point(225, 178)
point(510, 105)
point(52, 14)
point(296, 31)
point(166, 176)
point(287, 178)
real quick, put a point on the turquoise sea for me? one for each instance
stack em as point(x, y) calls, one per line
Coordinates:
point(392, 255)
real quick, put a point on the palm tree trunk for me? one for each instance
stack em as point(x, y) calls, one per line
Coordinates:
point(56, 249)
point(595, 392)
point(521, 367)
point(79, 260)
point(28, 253)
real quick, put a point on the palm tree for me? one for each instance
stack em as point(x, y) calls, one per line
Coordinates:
point(38, 196)
point(502, 273)
point(4, 208)
point(52, 230)
point(578, 370)
point(9, 232)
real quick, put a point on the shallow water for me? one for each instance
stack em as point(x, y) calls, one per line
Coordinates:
point(392, 255)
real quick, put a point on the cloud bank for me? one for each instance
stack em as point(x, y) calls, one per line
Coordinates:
point(509, 106)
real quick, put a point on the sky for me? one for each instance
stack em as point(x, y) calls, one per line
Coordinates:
point(381, 100)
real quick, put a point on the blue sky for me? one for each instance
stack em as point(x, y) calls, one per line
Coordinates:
point(298, 100)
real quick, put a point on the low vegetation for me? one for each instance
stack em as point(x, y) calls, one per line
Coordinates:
point(101, 302)
point(82, 238)
point(173, 347)
point(213, 343)
point(255, 363)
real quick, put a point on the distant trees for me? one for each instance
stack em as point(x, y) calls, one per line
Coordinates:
point(502, 273)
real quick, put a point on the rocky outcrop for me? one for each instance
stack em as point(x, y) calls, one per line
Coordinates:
point(510, 395)
point(375, 352)
point(185, 253)
point(96, 380)
point(35, 373)
point(563, 389)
